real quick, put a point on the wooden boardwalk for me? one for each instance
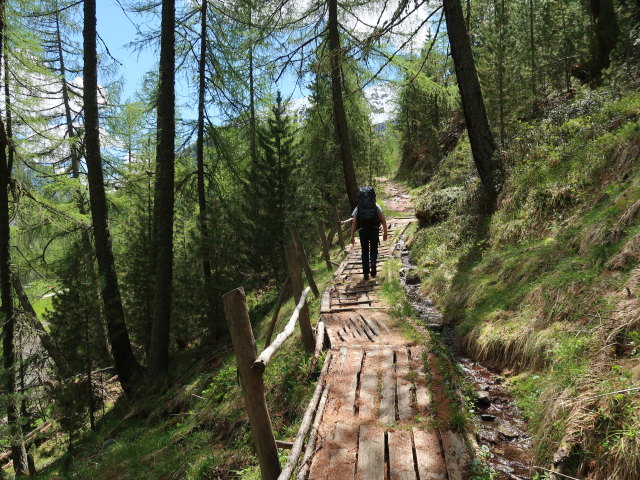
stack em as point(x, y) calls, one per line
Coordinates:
point(377, 417)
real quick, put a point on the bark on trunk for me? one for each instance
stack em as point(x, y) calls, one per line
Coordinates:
point(341, 128)
point(202, 199)
point(87, 249)
point(164, 197)
point(475, 114)
point(126, 364)
point(18, 451)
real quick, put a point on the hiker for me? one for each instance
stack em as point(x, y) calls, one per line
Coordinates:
point(366, 218)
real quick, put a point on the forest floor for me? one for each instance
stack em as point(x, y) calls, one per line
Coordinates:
point(388, 408)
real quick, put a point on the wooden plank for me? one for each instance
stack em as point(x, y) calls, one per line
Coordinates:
point(326, 301)
point(388, 401)
point(342, 459)
point(354, 302)
point(455, 454)
point(429, 455)
point(400, 446)
point(357, 328)
point(355, 307)
point(383, 326)
point(347, 328)
point(333, 336)
point(353, 364)
point(357, 288)
point(405, 408)
point(371, 453)
point(368, 395)
point(365, 327)
point(423, 395)
point(371, 325)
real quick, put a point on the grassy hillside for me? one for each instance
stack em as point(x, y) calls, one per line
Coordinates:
point(548, 287)
point(197, 429)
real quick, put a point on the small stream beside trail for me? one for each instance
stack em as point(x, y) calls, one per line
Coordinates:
point(500, 429)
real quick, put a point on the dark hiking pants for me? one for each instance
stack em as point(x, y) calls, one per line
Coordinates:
point(369, 244)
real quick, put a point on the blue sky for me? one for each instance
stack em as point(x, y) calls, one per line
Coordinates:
point(117, 29)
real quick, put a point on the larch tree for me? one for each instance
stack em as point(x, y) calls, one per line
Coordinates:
point(341, 127)
point(202, 199)
point(164, 196)
point(126, 364)
point(480, 137)
point(18, 451)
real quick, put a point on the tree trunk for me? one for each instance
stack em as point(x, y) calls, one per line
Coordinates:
point(606, 33)
point(18, 451)
point(532, 48)
point(164, 197)
point(475, 114)
point(252, 94)
point(87, 250)
point(341, 128)
point(126, 364)
point(202, 200)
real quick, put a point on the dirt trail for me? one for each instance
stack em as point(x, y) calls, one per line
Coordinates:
point(379, 420)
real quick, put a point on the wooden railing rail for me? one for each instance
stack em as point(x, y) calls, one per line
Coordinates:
point(263, 359)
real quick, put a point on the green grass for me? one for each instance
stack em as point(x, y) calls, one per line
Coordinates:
point(536, 292)
point(197, 430)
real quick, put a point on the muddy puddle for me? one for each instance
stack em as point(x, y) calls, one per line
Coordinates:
point(500, 429)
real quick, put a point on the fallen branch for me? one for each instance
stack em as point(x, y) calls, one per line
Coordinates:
point(261, 362)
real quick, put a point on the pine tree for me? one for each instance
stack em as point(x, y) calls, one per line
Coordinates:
point(270, 193)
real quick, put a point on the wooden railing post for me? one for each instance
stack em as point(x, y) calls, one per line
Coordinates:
point(338, 226)
point(291, 253)
point(304, 259)
point(325, 245)
point(244, 346)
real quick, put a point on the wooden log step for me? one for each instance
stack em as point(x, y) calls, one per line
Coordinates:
point(370, 453)
point(400, 446)
point(388, 401)
point(405, 400)
point(429, 455)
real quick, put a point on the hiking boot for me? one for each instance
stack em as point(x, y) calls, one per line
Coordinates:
point(366, 277)
point(373, 272)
